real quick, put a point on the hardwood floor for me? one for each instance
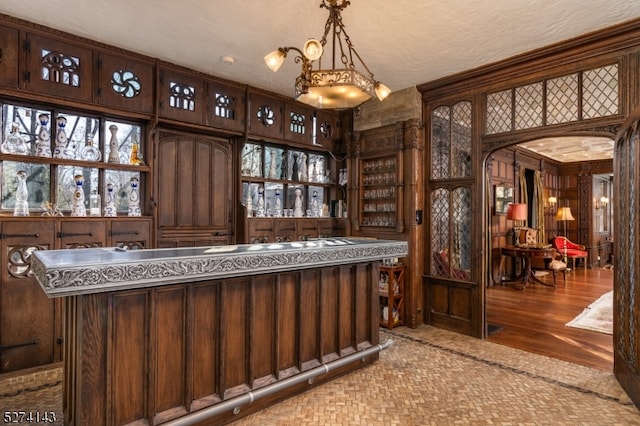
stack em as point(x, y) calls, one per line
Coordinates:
point(534, 319)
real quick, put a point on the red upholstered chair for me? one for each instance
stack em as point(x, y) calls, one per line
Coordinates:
point(573, 251)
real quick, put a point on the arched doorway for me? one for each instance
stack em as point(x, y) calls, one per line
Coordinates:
point(534, 319)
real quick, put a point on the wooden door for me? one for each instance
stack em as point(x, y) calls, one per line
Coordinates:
point(194, 191)
point(30, 323)
point(626, 278)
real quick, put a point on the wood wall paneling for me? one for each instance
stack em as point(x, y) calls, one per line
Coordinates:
point(140, 74)
point(309, 339)
point(181, 96)
point(170, 334)
point(127, 365)
point(266, 116)
point(294, 114)
point(226, 106)
point(288, 319)
point(263, 330)
point(204, 345)
point(61, 82)
point(235, 337)
point(330, 310)
point(9, 53)
point(346, 300)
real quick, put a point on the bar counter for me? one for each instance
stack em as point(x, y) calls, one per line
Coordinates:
point(209, 334)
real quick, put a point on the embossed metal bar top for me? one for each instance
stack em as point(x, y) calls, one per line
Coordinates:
point(95, 270)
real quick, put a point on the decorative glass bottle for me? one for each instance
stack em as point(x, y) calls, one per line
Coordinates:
point(260, 209)
point(114, 157)
point(284, 165)
point(60, 150)
point(315, 208)
point(272, 164)
point(135, 158)
point(278, 205)
point(110, 204)
point(95, 206)
point(14, 143)
point(134, 198)
point(297, 206)
point(90, 152)
point(249, 205)
point(22, 195)
point(43, 142)
point(77, 207)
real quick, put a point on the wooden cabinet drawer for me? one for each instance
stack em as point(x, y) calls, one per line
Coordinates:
point(132, 234)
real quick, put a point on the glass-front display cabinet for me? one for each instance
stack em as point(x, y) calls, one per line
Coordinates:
point(282, 182)
point(54, 160)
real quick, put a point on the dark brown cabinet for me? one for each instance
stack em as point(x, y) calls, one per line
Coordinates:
point(31, 331)
point(30, 322)
point(9, 51)
point(125, 83)
point(181, 96)
point(194, 191)
point(58, 68)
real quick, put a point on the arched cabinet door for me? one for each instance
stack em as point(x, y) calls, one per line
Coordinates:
point(194, 190)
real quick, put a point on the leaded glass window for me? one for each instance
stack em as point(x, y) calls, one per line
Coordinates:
point(528, 110)
point(440, 142)
point(560, 102)
point(562, 99)
point(451, 141)
point(499, 112)
point(451, 233)
point(600, 92)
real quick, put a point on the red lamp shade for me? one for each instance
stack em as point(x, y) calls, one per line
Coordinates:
point(516, 211)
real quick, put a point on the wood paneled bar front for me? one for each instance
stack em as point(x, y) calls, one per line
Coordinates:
point(206, 335)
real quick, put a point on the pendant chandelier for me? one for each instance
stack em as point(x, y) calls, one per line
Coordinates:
point(341, 86)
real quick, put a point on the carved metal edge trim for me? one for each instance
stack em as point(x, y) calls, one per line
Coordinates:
point(76, 280)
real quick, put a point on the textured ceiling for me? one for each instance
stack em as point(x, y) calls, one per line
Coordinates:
point(404, 42)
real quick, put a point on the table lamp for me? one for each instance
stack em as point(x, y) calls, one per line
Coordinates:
point(517, 213)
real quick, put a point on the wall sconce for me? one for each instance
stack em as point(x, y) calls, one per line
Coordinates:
point(602, 202)
point(551, 203)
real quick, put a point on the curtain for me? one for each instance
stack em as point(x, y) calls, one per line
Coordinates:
point(523, 188)
point(538, 195)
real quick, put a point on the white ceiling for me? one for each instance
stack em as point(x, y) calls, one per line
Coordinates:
point(404, 42)
point(573, 148)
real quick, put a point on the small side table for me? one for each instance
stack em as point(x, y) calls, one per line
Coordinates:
point(391, 286)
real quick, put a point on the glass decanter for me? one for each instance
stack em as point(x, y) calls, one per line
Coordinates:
point(90, 152)
point(22, 195)
point(14, 143)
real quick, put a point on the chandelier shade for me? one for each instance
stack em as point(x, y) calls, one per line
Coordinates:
point(340, 86)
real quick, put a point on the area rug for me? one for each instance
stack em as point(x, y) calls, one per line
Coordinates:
point(597, 317)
